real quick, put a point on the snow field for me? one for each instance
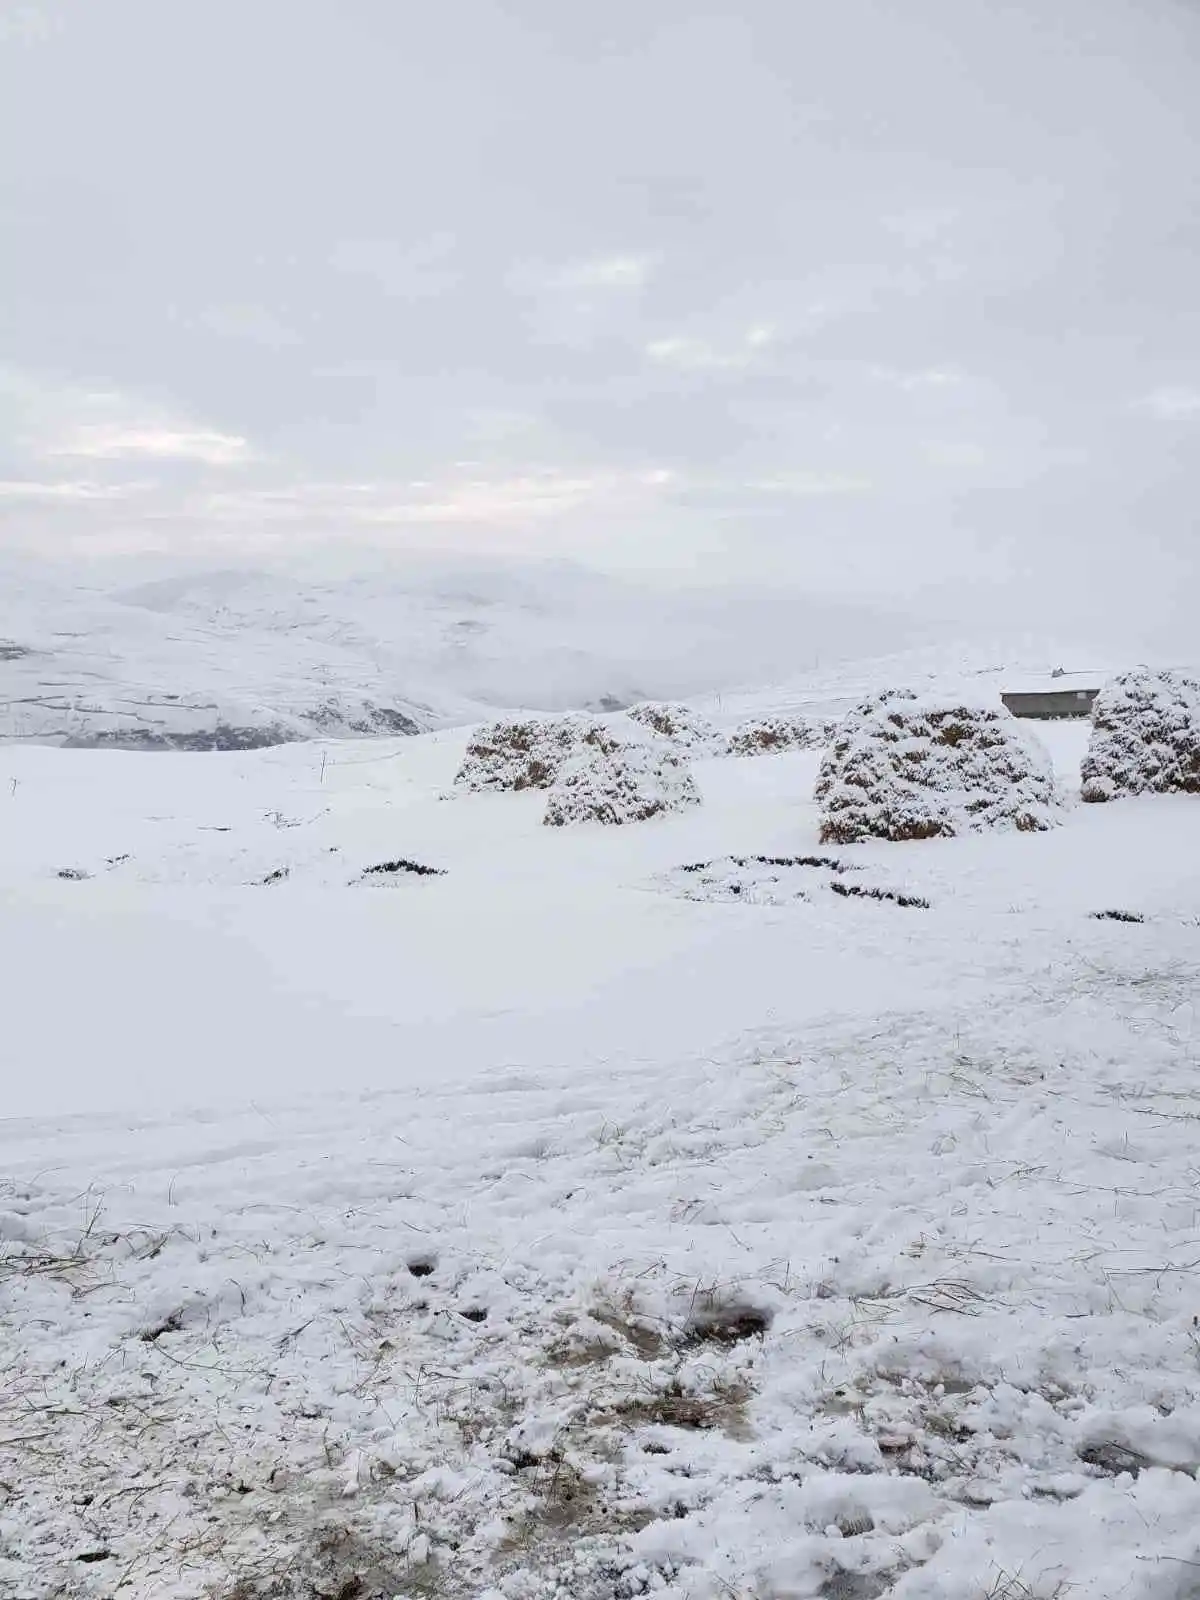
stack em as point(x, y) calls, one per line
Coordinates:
point(570, 1225)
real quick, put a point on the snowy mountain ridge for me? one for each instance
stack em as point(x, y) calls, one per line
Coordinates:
point(239, 658)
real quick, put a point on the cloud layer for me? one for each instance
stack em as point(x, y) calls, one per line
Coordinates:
point(881, 300)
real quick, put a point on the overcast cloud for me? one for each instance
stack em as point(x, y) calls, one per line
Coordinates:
point(890, 300)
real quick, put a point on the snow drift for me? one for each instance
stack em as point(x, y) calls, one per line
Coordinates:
point(906, 767)
point(1145, 736)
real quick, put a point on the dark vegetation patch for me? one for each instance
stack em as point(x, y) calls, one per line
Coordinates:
point(609, 1330)
point(367, 719)
point(726, 1323)
point(901, 767)
point(171, 1324)
point(1145, 737)
point(721, 1410)
point(224, 736)
point(277, 876)
point(1113, 1458)
point(519, 753)
point(769, 735)
point(566, 1498)
point(645, 1338)
point(383, 869)
point(676, 722)
point(615, 782)
point(335, 1564)
point(568, 1506)
point(868, 892)
point(1117, 916)
point(854, 1586)
point(830, 863)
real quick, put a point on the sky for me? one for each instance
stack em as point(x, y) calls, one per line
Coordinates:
point(896, 302)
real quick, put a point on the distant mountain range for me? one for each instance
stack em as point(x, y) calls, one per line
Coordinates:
point(233, 659)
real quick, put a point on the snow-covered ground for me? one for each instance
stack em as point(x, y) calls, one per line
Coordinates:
point(571, 1224)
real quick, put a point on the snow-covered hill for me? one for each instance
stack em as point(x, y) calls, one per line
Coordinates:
point(245, 657)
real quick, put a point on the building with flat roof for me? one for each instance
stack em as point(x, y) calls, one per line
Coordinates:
point(1050, 704)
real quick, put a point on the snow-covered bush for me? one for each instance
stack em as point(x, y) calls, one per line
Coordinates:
point(615, 780)
point(766, 736)
point(682, 726)
point(519, 753)
point(908, 767)
point(1145, 736)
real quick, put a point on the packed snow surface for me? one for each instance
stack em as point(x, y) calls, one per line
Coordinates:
point(563, 1222)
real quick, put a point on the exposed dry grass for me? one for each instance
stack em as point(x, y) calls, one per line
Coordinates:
point(723, 1409)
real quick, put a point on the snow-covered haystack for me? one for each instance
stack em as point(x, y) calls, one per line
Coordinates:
point(614, 779)
point(909, 767)
point(519, 753)
point(683, 727)
point(1145, 736)
point(765, 736)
